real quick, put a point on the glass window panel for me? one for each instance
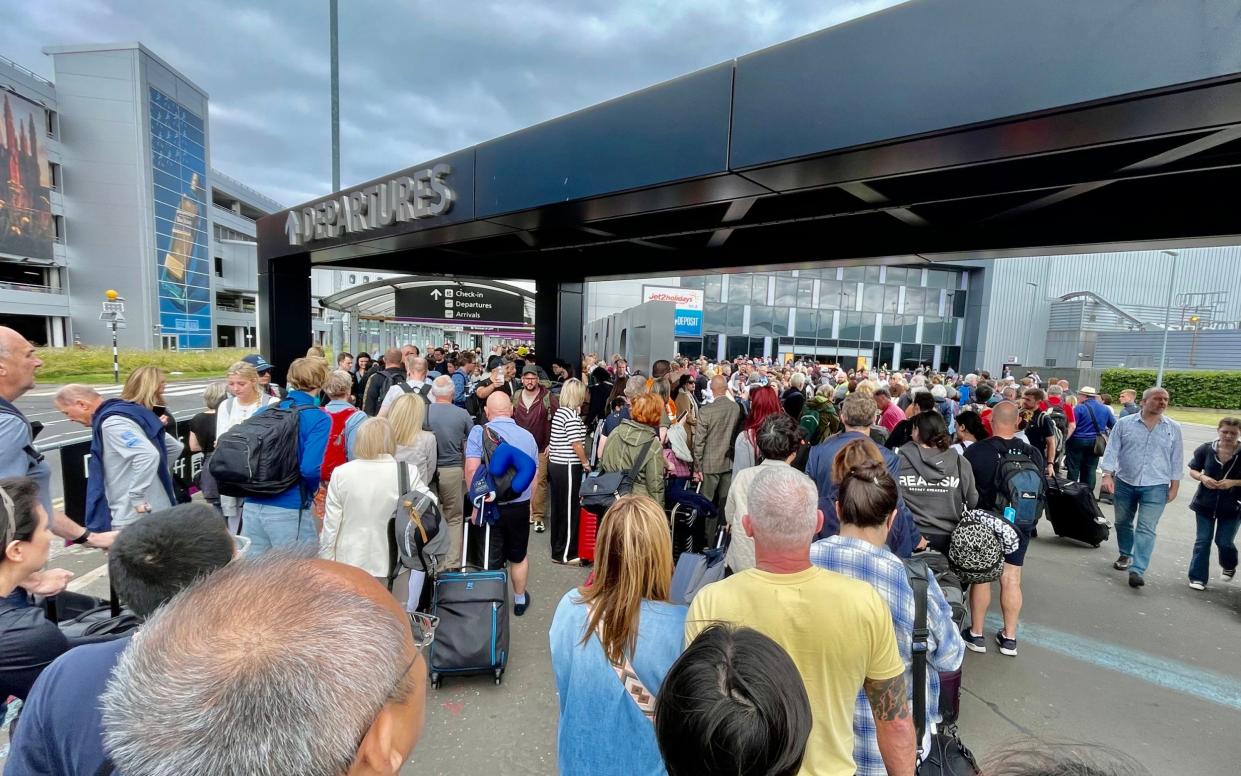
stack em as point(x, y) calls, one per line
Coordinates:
point(896, 276)
point(693, 281)
point(915, 301)
point(829, 295)
point(736, 317)
point(872, 298)
point(872, 274)
point(855, 274)
point(805, 292)
point(848, 296)
point(780, 322)
point(756, 346)
point(849, 325)
point(805, 342)
point(758, 294)
point(825, 324)
point(914, 278)
point(736, 346)
point(712, 286)
point(786, 291)
point(958, 304)
point(891, 299)
point(807, 324)
point(761, 321)
point(939, 278)
point(739, 289)
point(711, 345)
point(714, 316)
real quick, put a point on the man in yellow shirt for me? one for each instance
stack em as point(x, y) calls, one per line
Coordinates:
point(836, 629)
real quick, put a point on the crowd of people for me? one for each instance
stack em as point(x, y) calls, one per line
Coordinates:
point(820, 482)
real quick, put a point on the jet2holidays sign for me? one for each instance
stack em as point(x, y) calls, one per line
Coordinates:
point(688, 301)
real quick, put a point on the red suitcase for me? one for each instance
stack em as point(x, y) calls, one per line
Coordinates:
point(587, 526)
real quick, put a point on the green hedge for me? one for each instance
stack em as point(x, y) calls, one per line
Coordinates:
point(1216, 390)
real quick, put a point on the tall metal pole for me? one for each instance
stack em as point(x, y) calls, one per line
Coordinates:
point(335, 98)
point(1167, 318)
point(116, 361)
point(1028, 357)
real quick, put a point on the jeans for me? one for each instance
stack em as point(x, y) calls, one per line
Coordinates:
point(1224, 531)
point(1081, 461)
point(1144, 503)
point(269, 527)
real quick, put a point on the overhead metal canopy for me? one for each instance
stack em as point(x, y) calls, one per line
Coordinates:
point(934, 131)
point(378, 298)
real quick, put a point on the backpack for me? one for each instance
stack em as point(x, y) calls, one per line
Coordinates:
point(386, 381)
point(337, 451)
point(678, 440)
point(261, 456)
point(975, 552)
point(34, 456)
point(949, 582)
point(421, 530)
point(504, 483)
point(1019, 484)
point(1060, 420)
point(818, 420)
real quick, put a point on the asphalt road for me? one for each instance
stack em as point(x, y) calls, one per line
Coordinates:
point(1153, 672)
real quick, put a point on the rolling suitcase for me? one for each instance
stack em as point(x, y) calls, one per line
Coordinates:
point(687, 523)
point(472, 637)
point(1074, 513)
point(587, 529)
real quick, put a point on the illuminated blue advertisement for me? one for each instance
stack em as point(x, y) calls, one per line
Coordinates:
point(179, 169)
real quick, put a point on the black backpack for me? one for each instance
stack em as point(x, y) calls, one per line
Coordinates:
point(384, 379)
point(260, 456)
point(1019, 484)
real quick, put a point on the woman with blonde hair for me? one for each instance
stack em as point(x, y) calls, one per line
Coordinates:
point(566, 462)
point(246, 398)
point(361, 498)
point(145, 386)
point(414, 443)
point(621, 623)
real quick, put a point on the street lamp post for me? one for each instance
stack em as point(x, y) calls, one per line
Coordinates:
point(1030, 329)
point(1167, 318)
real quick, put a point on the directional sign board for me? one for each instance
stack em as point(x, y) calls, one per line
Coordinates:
point(114, 307)
point(464, 303)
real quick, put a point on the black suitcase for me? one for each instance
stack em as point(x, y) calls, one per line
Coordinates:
point(472, 637)
point(688, 526)
point(1074, 513)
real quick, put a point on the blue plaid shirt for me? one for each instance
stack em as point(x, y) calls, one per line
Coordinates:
point(945, 649)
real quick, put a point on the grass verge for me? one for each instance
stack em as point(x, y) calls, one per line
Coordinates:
point(94, 365)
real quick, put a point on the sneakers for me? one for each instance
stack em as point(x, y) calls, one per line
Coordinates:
point(1007, 646)
point(1123, 563)
point(1228, 574)
point(520, 608)
point(1135, 579)
point(1196, 585)
point(972, 642)
point(539, 527)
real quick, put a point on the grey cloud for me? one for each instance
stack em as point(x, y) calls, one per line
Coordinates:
point(417, 79)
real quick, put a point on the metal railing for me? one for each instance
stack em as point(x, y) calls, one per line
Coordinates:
point(6, 285)
point(232, 212)
point(25, 71)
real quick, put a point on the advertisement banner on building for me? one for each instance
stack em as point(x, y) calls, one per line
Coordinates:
point(179, 173)
point(26, 228)
point(688, 301)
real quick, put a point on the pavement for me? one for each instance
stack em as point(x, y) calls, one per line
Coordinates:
point(1153, 672)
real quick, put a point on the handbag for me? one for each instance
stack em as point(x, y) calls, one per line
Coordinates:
point(947, 755)
point(601, 489)
point(1100, 445)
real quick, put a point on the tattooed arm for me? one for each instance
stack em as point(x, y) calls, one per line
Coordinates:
point(894, 725)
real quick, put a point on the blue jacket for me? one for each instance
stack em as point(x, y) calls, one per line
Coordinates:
point(904, 535)
point(459, 384)
point(98, 514)
point(314, 428)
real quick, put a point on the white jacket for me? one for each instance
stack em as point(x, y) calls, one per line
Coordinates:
point(360, 500)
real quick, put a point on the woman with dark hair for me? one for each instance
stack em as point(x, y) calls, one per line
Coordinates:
point(29, 641)
point(619, 627)
point(600, 391)
point(970, 429)
point(363, 367)
point(866, 507)
point(937, 482)
point(764, 402)
point(733, 703)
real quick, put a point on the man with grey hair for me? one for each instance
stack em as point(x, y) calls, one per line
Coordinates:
point(451, 425)
point(1142, 466)
point(277, 665)
point(415, 381)
point(856, 413)
point(836, 629)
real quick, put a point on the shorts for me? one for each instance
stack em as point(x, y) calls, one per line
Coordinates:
point(1018, 556)
point(510, 537)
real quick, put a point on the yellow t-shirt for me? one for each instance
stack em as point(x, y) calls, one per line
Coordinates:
point(837, 630)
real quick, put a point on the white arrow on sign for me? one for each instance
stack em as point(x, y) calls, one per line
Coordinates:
point(435, 293)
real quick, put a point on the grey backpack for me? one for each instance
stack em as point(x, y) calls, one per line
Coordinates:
point(421, 531)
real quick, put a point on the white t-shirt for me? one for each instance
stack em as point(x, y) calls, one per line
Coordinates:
point(396, 392)
point(567, 428)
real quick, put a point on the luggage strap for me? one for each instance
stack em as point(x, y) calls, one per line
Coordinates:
point(918, 582)
point(643, 698)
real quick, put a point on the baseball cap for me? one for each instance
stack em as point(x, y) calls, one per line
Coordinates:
point(258, 362)
point(530, 369)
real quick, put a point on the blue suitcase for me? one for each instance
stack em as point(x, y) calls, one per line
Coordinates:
point(472, 637)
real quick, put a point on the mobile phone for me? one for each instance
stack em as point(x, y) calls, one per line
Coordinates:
point(159, 410)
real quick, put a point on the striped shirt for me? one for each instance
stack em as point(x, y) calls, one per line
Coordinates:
point(567, 428)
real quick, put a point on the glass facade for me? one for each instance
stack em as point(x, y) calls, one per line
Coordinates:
point(894, 316)
point(179, 170)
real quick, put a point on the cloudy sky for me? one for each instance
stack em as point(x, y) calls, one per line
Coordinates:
point(418, 78)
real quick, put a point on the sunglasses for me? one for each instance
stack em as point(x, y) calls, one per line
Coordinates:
point(423, 627)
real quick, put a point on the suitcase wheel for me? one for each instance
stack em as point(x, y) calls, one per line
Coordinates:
point(499, 676)
point(435, 681)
